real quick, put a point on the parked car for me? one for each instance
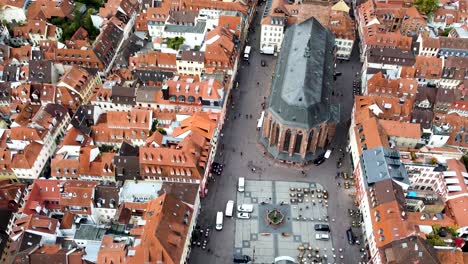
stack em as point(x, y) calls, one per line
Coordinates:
point(337, 73)
point(350, 236)
point(319, 160)
point(243, 215)
point(229, 208)
point(245, 208)
point(219, 221)
point(322, 227)
point(241, 184)
point(322, 236)
point(241, 258)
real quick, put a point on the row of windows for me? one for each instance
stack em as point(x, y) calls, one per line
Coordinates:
point(273, 34)
point(275, 40)
point(273, 28)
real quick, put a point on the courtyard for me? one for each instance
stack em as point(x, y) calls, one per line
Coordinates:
point(301, 204)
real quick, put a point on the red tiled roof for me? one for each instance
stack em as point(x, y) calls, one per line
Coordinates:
point(36, 223)
point(113, 126)
point(110, 252)
point(44, 9)
point(78, 193)
point(379, 85)
point(342, 25)
point(232, 23)
point(153, 60)
point(389, 39)
point(165, 231)
point(28, 157)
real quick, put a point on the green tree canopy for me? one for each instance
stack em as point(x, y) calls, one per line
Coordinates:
point(427, 6)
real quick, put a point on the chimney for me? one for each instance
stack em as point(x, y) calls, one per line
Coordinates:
point(165, 91)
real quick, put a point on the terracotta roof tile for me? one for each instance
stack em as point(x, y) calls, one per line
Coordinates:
point(390, 40)
point(457, 209)
point(387, 107)
point(342, 25)
point(199, 122)
point(379, 85)
point(37, 223)
point(44, 9)
point(458, 133)
point(232, 23)
point(113, 126)
point(401, 129)
point(165, 231)
point(219, 5)
point(15, 3)
point(155, 60)
point(111, 252)
point(27, 158)
point(78, 194)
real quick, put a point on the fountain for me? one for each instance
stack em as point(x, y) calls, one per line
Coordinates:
point(275, 217)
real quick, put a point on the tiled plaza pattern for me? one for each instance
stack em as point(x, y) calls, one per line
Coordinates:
point(263, 243)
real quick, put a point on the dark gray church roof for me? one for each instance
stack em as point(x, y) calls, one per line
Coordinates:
point(303, 78)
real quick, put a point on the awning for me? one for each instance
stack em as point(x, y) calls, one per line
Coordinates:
point(260, 120)
point(181, 98)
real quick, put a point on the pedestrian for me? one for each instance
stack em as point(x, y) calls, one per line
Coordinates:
point(241, 153)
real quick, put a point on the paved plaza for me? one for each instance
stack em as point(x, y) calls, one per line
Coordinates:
point(240, 135)
point(256, 238)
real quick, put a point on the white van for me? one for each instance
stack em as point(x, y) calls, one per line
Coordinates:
point(245, 208)
point(322, 236)
point(328, 153)
point(229, 208)
point(219, 221)
point(241, 184)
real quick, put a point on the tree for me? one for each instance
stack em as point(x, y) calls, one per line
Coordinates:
point(174, 43)
point(446, 32)
point(427, 6)
point(465, 160)
point(162, 131)
point(154, 126)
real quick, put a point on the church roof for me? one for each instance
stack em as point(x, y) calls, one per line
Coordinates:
point(303, 78)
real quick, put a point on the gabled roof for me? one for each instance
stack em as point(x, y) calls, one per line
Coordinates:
point(37, 223)
point(219, 45)
point(401, 129)
point(78, 193)
point(382, 163)
point(167, 225)
point(341, 6)
point(44, 9)
point(304, 76)
point(413, 249)
point(199, 122)
point(27, 158)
